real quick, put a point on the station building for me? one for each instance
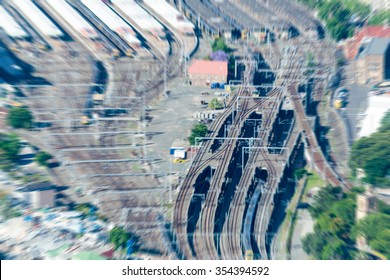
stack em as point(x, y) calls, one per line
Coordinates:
point(205, 72)
point(372, 64)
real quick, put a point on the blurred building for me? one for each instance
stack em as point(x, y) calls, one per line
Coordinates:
point(377, 107)
point(352, 45)
point(366, 203)
point(372, 64)
point(205, 72)
point(38, 195)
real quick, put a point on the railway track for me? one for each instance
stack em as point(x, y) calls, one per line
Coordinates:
point(231, 244)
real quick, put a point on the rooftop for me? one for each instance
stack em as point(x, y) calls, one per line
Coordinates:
point(375, 31)
point(377, 46)
point(378, 105)
point(41, 186)
point(209, 67)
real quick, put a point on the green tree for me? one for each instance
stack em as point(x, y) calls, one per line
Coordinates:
point(312, 3)
point(215, 104)
point(84, 208)
point(345, 210)
point(382, 243)
point(357, 7)
point(323, 245)
point(335, 249)
point(198, 130)
point(383, 207)
point(42, 158)
point(330, 8)
point(219, 45)
point(372, 225)
point(324, 199)
point(380, 17)
point(385, 123)
point(119, 236)
point(19, 118)
point(372, 154)
point(299, 173)
point(376, 228)
point(9, 147)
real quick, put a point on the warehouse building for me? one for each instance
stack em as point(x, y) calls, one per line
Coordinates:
point(204, 72)
point(372, 64)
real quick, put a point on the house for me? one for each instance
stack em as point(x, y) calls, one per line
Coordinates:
point(205, 72)
point(352, 46)
point(372, 64)
point(38, 195)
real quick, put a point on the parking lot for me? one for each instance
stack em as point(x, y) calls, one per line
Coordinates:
point(172, 119)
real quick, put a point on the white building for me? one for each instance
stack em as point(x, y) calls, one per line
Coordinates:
point(38, 195)
point(377, 107)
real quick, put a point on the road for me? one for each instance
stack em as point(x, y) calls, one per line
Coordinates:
point(304, 224)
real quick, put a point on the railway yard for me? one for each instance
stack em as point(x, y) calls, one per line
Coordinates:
point(95, 71)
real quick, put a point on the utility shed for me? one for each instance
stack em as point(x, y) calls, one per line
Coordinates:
point(10, 26)
point(38, 195)
point(204, 72)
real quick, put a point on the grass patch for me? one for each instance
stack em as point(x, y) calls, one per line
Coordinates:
point(313, 180)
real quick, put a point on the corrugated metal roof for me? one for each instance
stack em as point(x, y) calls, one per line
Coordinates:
point(11, 27)
point(38, 19)
point(138, 14)
point(73, 18)
point(209, 67)
point(169, 13)
point(112, 20)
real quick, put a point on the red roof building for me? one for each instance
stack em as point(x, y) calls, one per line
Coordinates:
point(204, 72)
point(351, 46)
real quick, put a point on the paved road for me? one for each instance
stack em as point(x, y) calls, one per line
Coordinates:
point(357, 104)
point(303, 225)
point(173, 119)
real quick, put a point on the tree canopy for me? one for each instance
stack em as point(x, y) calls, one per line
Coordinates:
point(215, 104)
point(376, 228)
point(385, 122)
point(42, 158)
point(219, 45)
point(119, 236)
point(338, 15)
point(334, 214)
point(198, 130)
point(323, 200)
point(19, 117)
point(380, 17)
point(9, 148)
point(372, 154)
